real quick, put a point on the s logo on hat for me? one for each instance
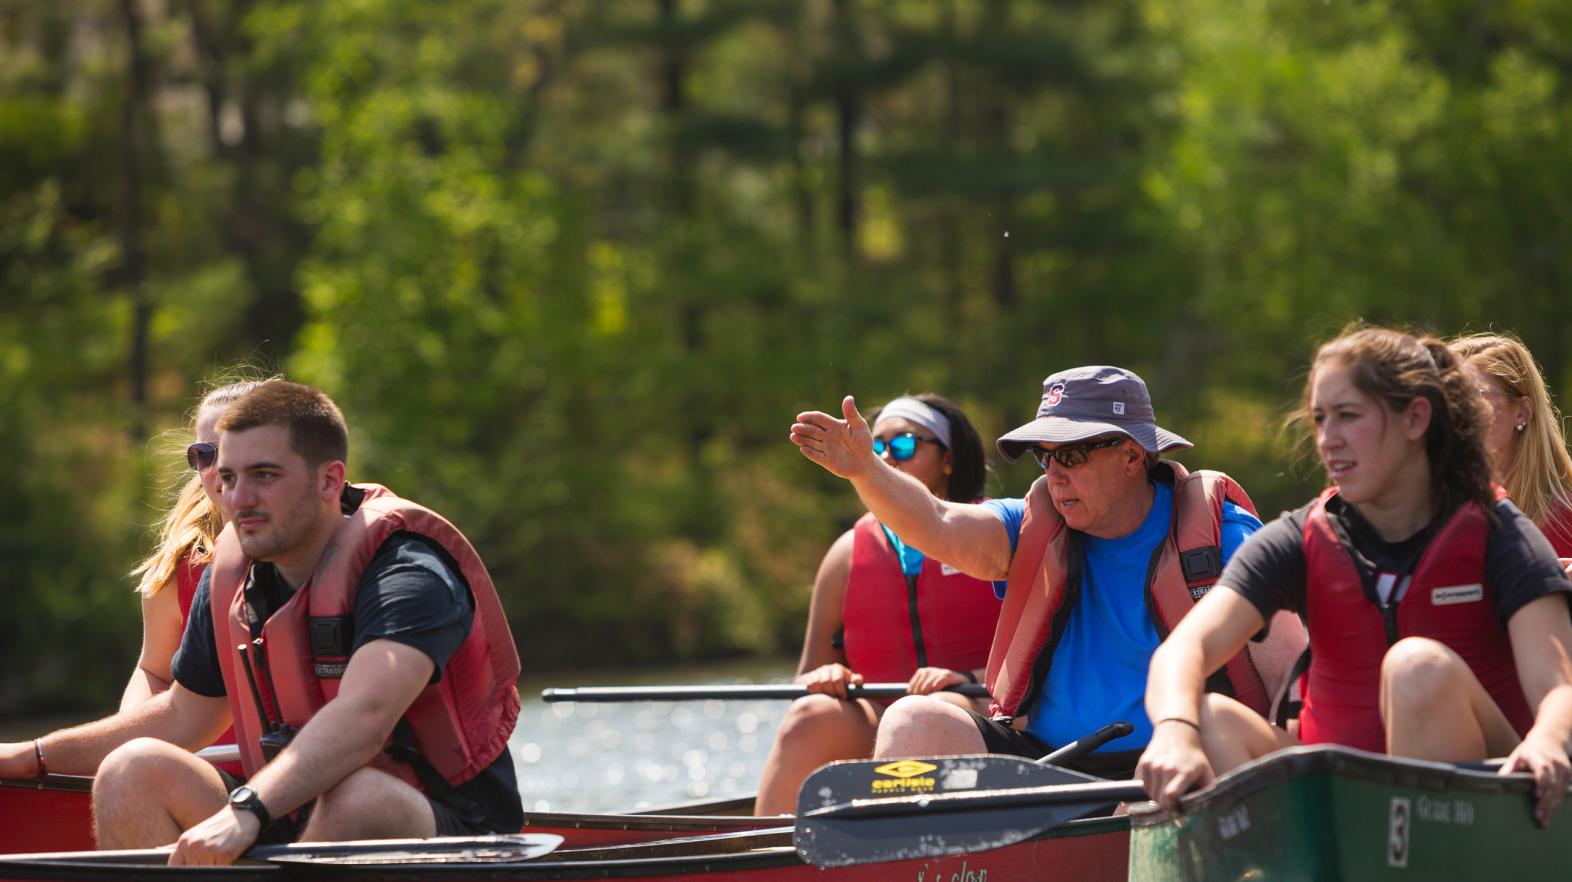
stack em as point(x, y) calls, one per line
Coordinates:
point(1055, 395)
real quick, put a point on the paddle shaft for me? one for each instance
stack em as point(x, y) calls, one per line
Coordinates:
point(762, 691)
point(926, 804)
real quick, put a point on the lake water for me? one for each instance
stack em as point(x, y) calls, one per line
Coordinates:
point(606, 757)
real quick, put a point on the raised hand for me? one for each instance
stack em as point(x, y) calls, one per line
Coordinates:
point(842, 446)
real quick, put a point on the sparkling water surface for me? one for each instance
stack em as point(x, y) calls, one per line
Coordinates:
point(586, 757)
point(594, 757)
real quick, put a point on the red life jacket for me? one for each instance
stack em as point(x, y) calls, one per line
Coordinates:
point(1046, 570)
point(1557, 527)
point(459, 724)
point(1447, 600)
point(894, 626)
point(188, 574)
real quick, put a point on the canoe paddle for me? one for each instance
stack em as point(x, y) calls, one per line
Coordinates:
point(504, 848)
point(699, 693)
point(869, 811)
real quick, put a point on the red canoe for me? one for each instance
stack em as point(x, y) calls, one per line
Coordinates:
point(1092, 850)
point(55, 813)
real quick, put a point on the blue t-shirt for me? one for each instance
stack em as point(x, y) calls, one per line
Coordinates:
point(1098, 675)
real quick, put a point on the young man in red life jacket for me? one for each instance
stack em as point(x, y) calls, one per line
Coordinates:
point(354, 639)
point(1105, 554)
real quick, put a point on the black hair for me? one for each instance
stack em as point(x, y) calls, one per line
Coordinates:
point(968, 462)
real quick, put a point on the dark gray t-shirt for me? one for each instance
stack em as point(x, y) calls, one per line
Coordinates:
point(1269, 570)
point(410, 593)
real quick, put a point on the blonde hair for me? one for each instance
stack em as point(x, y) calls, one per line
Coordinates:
point(1539, 477)
point(192, 524)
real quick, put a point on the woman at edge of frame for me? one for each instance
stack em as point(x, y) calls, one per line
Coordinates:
point(1528, 451)
point(1427, 671)
point(168, 577)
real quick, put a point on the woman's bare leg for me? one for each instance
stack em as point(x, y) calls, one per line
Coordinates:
point(1232, 734)
point(1434, 708)
point(817, 729)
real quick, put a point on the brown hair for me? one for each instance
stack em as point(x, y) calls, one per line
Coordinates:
point(316, 427)
point(1397, 368)
point(190, 526)
point(1539, 477)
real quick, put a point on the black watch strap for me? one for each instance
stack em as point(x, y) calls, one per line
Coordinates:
point(243, 798)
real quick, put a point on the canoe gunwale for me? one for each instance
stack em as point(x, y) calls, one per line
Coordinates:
point(60, 783)
point(1328, 759)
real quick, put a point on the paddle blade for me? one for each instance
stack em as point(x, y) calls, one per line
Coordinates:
point(500, 849)
point(870, 811)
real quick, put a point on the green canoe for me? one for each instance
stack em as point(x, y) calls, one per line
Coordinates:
point(1332, 813)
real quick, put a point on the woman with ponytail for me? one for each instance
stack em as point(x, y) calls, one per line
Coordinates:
point(1528, 452)
point(1437, 614)
point(168, 577)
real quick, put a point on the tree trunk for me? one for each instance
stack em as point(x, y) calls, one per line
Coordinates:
point(133, 112)
point(848, 118)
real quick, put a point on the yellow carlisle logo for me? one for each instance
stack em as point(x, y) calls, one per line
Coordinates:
point(905, 776)
point(906, 768)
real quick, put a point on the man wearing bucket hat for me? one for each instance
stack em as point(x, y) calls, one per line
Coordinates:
point(1107, 551)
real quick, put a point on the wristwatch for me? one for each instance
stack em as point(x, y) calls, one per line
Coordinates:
point(245, 799)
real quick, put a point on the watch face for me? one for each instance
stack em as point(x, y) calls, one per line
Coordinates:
point(241, 794)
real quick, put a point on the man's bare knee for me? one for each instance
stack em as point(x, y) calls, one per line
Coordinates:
point(908, 711)
point(370, 804)
point(147, 791)
point(923, 725)
point(138, 765)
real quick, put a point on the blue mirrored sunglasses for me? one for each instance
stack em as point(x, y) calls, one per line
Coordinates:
point(902, 447)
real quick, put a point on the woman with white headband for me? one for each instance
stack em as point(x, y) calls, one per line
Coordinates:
point(882, 612)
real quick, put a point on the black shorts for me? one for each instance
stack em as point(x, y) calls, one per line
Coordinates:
point(450, 821)
point(1000, 737)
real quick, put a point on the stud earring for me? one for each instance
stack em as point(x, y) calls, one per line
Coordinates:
point(1520, 426)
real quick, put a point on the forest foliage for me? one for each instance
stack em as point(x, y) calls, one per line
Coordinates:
point(572, 266)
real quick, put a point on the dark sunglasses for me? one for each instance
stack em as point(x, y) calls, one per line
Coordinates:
point(902, 447)
point(201, 456)
point(1072, 455)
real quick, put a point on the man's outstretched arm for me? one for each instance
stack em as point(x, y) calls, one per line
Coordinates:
point(968, 537)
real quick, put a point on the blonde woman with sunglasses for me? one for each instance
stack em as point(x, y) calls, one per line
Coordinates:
point(167, 579)
point(1528, 451)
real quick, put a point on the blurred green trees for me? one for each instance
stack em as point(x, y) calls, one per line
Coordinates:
point(572, 266)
